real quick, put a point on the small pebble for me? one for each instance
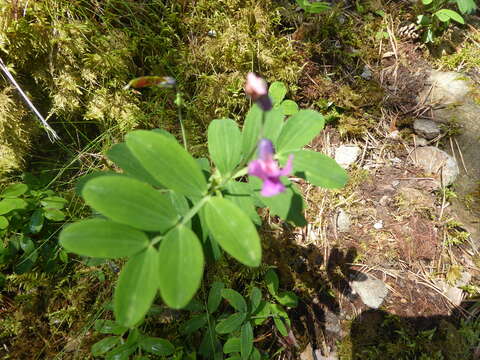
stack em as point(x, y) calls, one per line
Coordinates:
point(394, 135)
point(378, 225)
point(426, 128)
point(343, 221)
point(346, 155)
point(372, 291)
point(367, 73)
point(419, 141)
point(384, 200)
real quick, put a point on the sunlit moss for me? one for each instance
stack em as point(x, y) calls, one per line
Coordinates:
point(465, 57)
point(51, 311)
point(74, 59)
point(230, 38)
point(16, 130)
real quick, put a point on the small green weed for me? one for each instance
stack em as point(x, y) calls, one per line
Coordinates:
point(437, 16)
point(26, 212)
point(455, 235)
point(315, 7)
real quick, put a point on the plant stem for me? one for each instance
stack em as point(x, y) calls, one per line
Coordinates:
point(186, 218)
point(196, 208)
point(179, 103)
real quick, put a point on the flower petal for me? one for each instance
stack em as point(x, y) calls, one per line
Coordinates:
point(287, 170)
point(256, 168)
point(272, 187)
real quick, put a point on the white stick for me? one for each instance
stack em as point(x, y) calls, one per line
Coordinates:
point(52, 135)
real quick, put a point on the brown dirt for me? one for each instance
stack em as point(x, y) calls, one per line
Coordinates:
point(408, 252)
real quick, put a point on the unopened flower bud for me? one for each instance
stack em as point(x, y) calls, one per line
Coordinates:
point(265, 149)
point(256, 88)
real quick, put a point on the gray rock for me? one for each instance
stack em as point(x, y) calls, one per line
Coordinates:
point(332, 323)
point(371, 290)
point(346, 155)
point(427, 128)
point(454, 293)
point(446, 88)
point(438, 163)
point(455, 98)
point(343, 221)
point(419, 141)
point(331, 356)
point(464, 279)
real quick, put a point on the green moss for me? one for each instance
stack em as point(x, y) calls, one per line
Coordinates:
point(74, 59)
point(51, 310)
point(455, 234)
point(16, 131)
point(454, 344)
point(77, 56)
point(243, 37)
point(452, 128)
point(466, 55)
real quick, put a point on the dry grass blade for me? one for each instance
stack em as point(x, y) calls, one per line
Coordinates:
point(461, 156)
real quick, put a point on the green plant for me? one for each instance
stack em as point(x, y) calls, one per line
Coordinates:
point(84, 53)
point(386, 336)
point(438, 17)
point(117, 347)
point(168, 209)
point(455, 234)
point(25, 211)
point(230, 333)
point(315, 7)
point(223, 332)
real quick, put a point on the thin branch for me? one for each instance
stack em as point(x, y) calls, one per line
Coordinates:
point(52, 135)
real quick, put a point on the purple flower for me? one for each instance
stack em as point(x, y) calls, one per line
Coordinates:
point(267, 169)
point(256, 88)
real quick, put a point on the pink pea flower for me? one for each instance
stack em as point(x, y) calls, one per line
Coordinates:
point(267, 169)
point(256, 88)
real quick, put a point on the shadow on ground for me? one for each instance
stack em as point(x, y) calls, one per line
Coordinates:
point(331, 320)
